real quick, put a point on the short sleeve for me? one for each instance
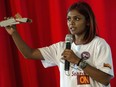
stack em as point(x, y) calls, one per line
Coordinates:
point(50, 54)
point(104, 57)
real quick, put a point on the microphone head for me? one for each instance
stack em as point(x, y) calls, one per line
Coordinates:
point(69, 38)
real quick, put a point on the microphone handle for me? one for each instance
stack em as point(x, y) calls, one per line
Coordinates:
point(67, 64)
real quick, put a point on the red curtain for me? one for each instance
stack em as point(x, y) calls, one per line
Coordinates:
point(48, 27)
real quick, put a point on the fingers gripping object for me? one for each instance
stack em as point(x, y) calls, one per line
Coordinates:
point(14, 21)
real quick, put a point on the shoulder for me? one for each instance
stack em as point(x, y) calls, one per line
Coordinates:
point(53, 47)
point(60, 44)
point(100, 42)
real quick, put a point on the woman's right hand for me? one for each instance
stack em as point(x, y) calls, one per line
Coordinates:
point(11, 29)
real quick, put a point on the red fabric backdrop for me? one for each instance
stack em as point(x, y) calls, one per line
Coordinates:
point(48, 26)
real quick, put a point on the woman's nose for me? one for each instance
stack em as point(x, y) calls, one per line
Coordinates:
point(72, 22)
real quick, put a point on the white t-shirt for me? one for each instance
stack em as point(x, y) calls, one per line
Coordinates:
point(99, 56)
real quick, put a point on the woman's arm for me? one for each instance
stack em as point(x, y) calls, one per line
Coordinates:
point(93, 72)
point(22, 46)
point(98, 75)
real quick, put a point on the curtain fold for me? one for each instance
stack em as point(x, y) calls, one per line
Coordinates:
point(49, 26)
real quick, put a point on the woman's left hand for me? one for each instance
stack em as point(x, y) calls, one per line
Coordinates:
point(70, 56)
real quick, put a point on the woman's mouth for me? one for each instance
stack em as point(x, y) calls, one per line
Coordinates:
point(72, 28)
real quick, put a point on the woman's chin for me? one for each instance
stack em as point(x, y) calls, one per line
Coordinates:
point(73, 33)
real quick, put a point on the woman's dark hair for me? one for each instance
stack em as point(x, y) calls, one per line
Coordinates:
point(84, 9)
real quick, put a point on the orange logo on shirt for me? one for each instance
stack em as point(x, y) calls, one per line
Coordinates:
point(83, 79)
point(107, 65)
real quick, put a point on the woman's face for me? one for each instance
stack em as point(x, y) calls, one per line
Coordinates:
point(76, 22)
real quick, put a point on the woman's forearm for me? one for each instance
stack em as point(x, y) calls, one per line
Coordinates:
point(24, 48)
point(98, 75)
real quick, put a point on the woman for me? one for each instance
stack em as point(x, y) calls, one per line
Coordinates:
point(90, 56)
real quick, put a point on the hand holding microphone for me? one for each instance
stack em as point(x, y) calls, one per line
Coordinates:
point(68, 41)
point(68, 55)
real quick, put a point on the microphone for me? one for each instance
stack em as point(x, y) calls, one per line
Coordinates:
point(13, 21)
point(68, 41)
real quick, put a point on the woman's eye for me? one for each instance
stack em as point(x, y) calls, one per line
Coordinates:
point(74, 18)
point(77, 18)
point(68, 19)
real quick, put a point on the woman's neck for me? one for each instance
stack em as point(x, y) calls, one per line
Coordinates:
point(78, 40)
